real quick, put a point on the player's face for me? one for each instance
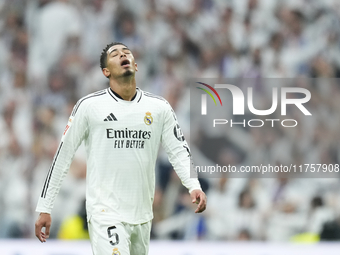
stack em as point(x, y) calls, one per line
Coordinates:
point(120, 62)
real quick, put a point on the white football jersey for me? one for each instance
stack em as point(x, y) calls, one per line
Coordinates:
point(122, 139)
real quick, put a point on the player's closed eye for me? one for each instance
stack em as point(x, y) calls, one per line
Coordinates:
point(118, 54)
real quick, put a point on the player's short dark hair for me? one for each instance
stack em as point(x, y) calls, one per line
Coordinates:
point(103, 56)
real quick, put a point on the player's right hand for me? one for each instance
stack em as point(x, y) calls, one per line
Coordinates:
point(44, 220)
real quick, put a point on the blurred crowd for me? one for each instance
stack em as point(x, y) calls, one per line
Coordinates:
point(49, 58)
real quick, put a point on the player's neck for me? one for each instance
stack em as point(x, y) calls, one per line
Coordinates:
point(125, 88)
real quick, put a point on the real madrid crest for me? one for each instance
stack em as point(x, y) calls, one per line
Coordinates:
point(148, 118)
point(116, 252)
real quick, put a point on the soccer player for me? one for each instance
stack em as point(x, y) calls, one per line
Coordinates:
point(122, 128)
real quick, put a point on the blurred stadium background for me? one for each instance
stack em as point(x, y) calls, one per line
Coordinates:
point(49, 58)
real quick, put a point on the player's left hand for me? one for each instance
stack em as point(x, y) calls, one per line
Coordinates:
point(199, 197)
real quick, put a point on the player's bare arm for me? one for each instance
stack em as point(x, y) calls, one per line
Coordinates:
point(44, 220)
point(199, 197)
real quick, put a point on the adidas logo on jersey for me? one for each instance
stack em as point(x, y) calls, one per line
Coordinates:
point(110, 117)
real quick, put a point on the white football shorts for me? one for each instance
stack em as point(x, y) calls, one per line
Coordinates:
point(112, 237)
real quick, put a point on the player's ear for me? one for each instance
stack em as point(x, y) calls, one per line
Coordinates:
point(106, 72)
point(136, 68)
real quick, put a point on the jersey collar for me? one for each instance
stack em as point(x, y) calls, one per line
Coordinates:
point(117, 97)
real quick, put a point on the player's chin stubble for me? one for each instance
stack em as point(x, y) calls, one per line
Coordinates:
point(128, 73)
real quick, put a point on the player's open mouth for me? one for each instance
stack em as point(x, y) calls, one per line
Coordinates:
point(125, 63)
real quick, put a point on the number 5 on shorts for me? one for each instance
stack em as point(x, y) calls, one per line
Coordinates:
point(110, 234)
